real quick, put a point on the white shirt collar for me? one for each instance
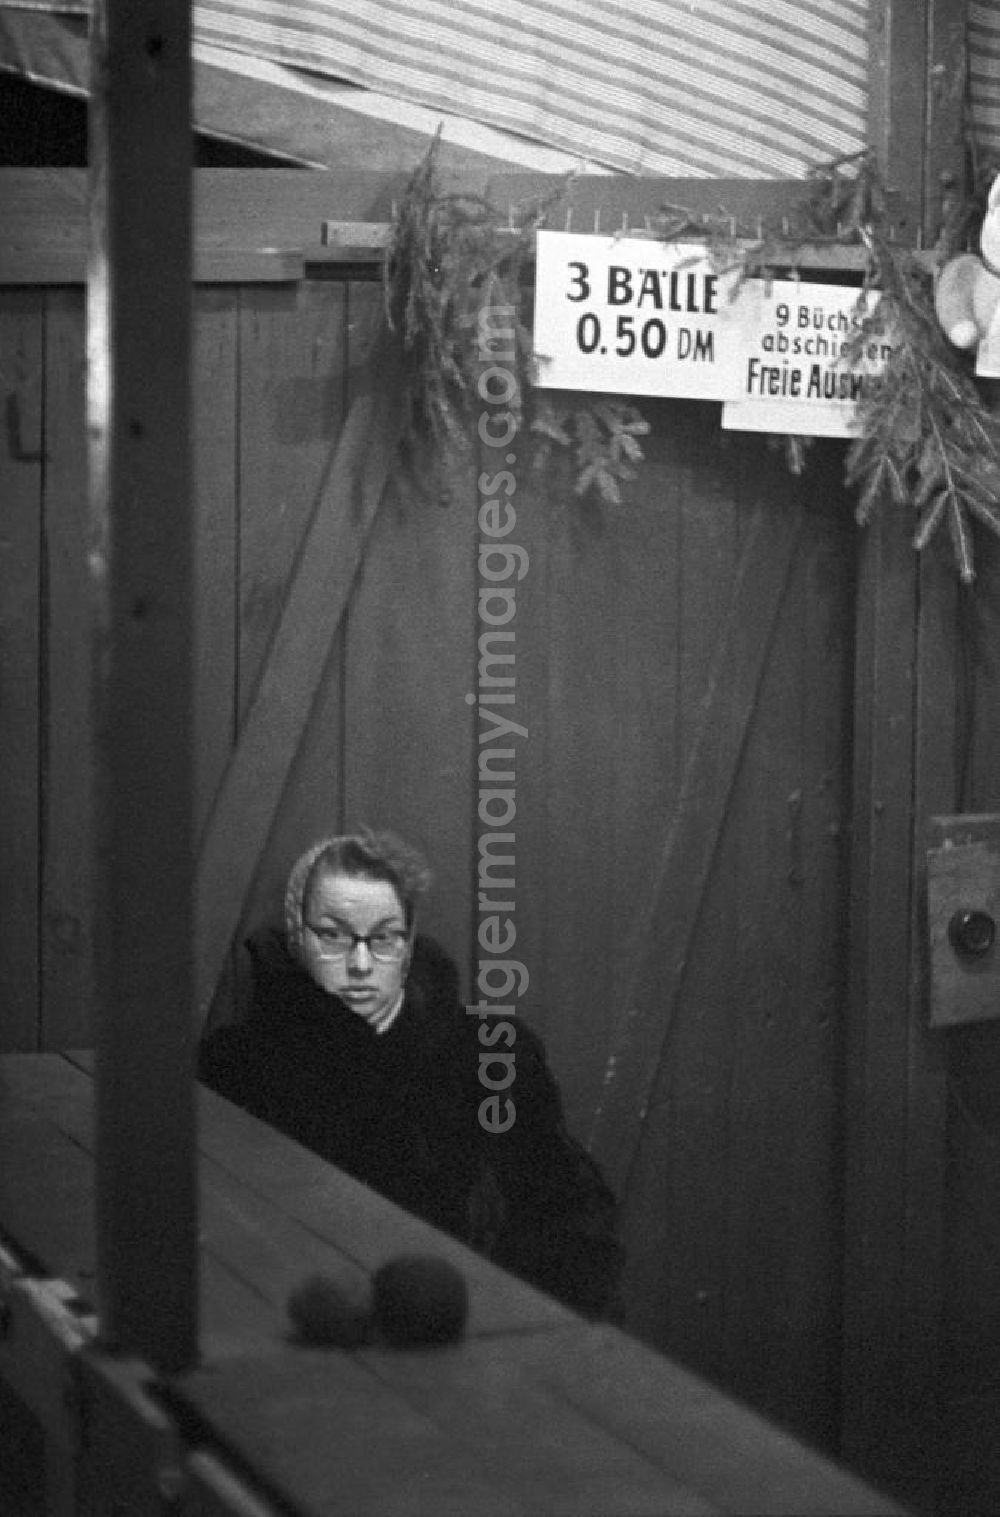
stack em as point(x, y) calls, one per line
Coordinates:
point(384, 1021)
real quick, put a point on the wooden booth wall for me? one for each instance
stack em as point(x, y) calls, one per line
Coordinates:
point(684, 673)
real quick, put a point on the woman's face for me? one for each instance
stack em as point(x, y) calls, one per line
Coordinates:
point(343, 906)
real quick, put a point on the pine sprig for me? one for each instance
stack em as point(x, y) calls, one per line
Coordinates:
point(452, 259)
point(603, 438)
point(927, 439)
point(449, 259)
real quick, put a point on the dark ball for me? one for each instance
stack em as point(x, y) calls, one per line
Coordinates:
point(419, 1299)
point(331, 1312)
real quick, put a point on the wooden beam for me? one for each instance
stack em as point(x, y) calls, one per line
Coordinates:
point(897, 100)
point(665, 927)
point(366, 241)
point(944, 151)
point(68, 265)
point(142, 571)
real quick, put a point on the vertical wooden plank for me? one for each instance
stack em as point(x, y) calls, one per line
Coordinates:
point(876, 1396)
point(21, 386)
point(978, 736)
point(67, 843)
point(936, 790)
point(215, 444)
point(142, 566)
point(410, 642)
point(676, 1269)
point(689, 1115)
point(896, 1072)
point(215, 439)
point(818, 825)
point(647, 633)
point(787, 940)
point(581, 731)
point(291, 410)
point(311, 804)
point(541, 893)
point(674, 1204)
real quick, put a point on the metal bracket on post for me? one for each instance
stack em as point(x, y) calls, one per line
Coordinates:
point(963, 910)
point(109, 1443)
point(42, 1330)
point(131, 1453)
point(11, 1269)
point(44, 1327)
point(213, 1490)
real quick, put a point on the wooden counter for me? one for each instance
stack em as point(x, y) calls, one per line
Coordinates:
point(536, 1412)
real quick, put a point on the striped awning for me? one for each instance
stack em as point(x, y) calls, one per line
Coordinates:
point(685, 88)
point(754, 88)
point(984, 75)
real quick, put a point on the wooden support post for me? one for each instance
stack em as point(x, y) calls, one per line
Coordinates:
point(947, 73)
point(141, 565)
point(895, 1114)
point(904, 772)
point(897, 106)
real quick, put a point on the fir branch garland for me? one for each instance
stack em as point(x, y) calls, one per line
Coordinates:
point(446, 261)
point(927, 439)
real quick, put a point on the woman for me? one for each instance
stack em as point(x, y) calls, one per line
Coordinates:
point(357, 1045)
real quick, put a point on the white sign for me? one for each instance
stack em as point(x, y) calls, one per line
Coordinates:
point(634, 317)
point(796, 374)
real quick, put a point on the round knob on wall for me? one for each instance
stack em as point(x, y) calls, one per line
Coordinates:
point(972, 932)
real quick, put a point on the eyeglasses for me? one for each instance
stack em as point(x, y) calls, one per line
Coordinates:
point(387, 945)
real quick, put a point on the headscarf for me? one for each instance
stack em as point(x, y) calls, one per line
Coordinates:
point(295, 897)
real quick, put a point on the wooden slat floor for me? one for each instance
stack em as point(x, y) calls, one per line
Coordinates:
point(535, 1412)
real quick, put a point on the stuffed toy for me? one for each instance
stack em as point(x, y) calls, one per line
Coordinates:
point(967, 293)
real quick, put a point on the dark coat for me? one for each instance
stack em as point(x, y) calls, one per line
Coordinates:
point(400, 1112)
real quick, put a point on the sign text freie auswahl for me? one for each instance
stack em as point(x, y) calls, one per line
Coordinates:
point(808, 360)
point(634, 317)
